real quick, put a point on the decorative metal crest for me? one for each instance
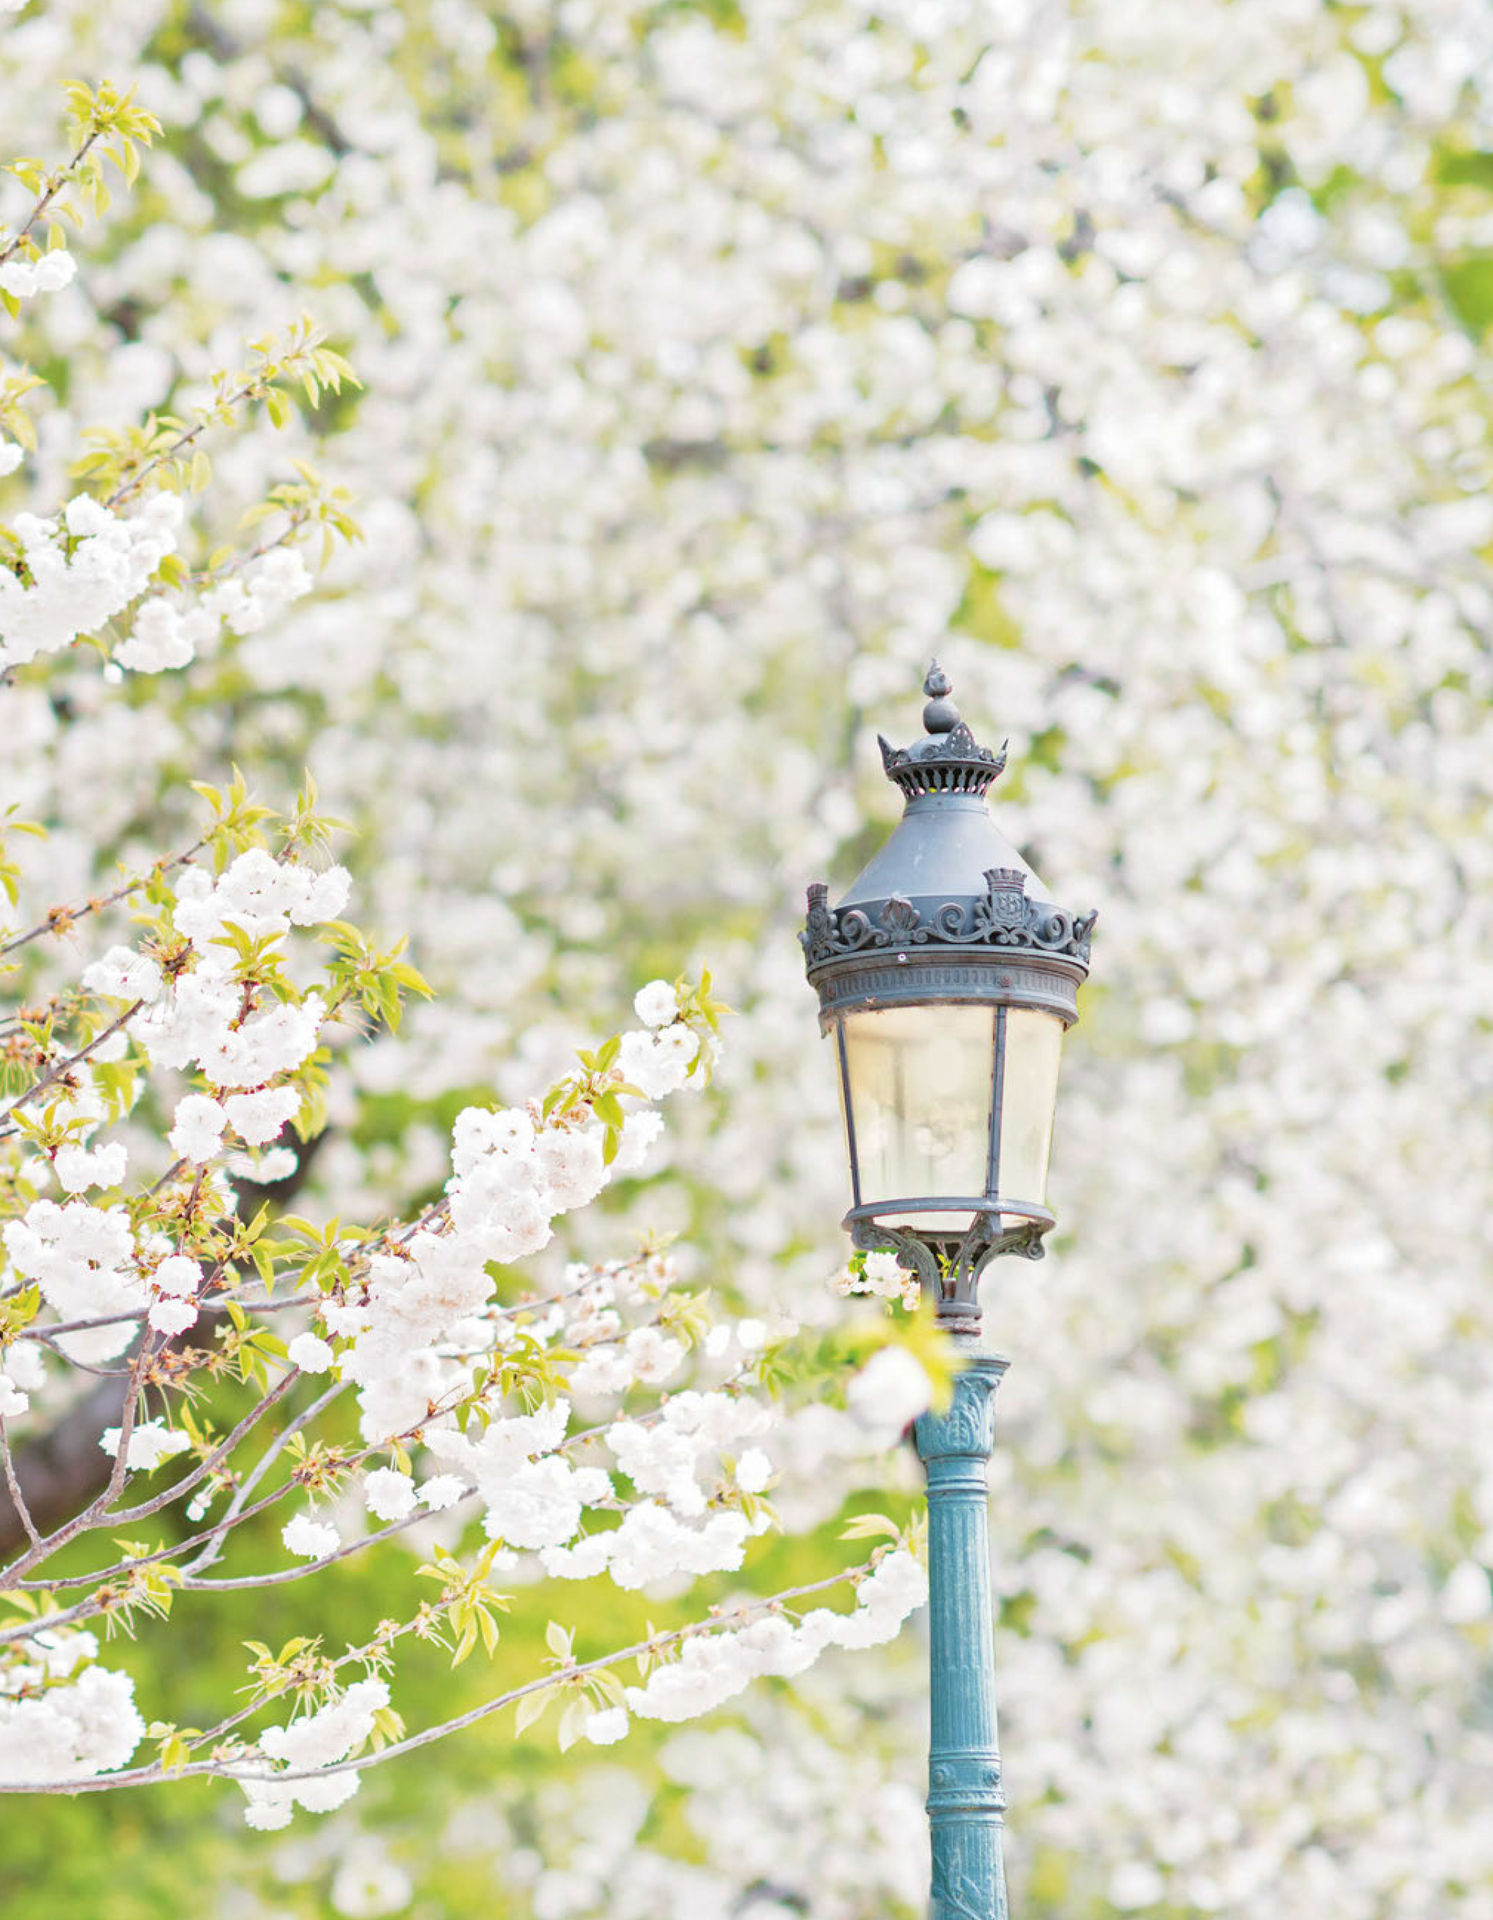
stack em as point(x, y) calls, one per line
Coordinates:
point(1002, 917)
point(957, 744)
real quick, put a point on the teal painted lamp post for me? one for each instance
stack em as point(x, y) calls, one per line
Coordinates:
point(946, 978)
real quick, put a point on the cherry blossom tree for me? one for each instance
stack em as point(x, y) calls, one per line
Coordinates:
point(718, 365)
point(149, 1096)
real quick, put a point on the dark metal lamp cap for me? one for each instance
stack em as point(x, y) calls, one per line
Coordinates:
point(946, 909)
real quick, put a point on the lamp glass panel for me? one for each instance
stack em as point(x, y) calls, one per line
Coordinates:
point(1029, 1091)
point(920, 1083)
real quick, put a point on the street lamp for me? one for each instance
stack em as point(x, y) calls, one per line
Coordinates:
point(946, 977)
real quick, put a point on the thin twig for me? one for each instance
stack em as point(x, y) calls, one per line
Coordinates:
point(61, 918)
point(249, 391)
point(237, 564)
point(219, 1453)
point(53, 1074)
point(17, 1497)
point(236, 1506)
point(287, 1576)
point(84, 1521)
point(54, 186)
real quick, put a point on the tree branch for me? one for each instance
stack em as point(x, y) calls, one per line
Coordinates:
point(153, 1775)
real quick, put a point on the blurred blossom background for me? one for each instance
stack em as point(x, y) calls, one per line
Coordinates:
point(721, 364)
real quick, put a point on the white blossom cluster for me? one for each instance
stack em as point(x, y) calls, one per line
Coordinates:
point(319, 1739)
point(82, 568)
point(49, 274)
point(882, 1275)
point(409, 1330)
point(57, 1722)
point(167, 633)
point(85, 1258)
point(713, 1668)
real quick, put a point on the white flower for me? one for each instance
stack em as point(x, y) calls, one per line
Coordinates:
point(606, 1728)
point(48, 274)
point(310, 1353)
point(172, 1316)
point(889, 1391)
point(279, 1163)
point(640, 1129)
point(657, 1004)
point(657, 1063)
point(123, 974)
point(84, 516)
point(653, 1357)
point(197, 1130)
point(164, 635)
point(11, 456)
point(12, 1400)
point(151, 1442)
point(483, 1130)
point(70, 593)
point(79, 1168)
point(263, 592)
point(270, 1807)
point(442, 1490)
point(178, 1273)
point(389, 1494)
point(86, 1727)
point(24, 1364)
point(312, 1539)
point(84, 1260)
point(753, 1470)
point(536, 1504)
point(274, 1041)
point(571, 1166)
point(55, 270)
point(659, 1459)
point(258, 1117)
point(606, 1371)
point(331, 1734)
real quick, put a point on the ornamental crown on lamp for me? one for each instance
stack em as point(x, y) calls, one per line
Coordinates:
point(946, 976)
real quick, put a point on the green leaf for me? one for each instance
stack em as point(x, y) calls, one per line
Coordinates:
point(532, 1707)
point(869, 1526)
point(608, 1687)
point(572, 1720)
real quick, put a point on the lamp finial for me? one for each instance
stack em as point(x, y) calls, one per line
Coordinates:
point(948, 759)
point(940, 715)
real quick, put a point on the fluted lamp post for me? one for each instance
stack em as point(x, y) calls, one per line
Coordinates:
point(946, 977)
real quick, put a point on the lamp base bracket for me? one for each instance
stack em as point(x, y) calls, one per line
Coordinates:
point(949, 1266)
